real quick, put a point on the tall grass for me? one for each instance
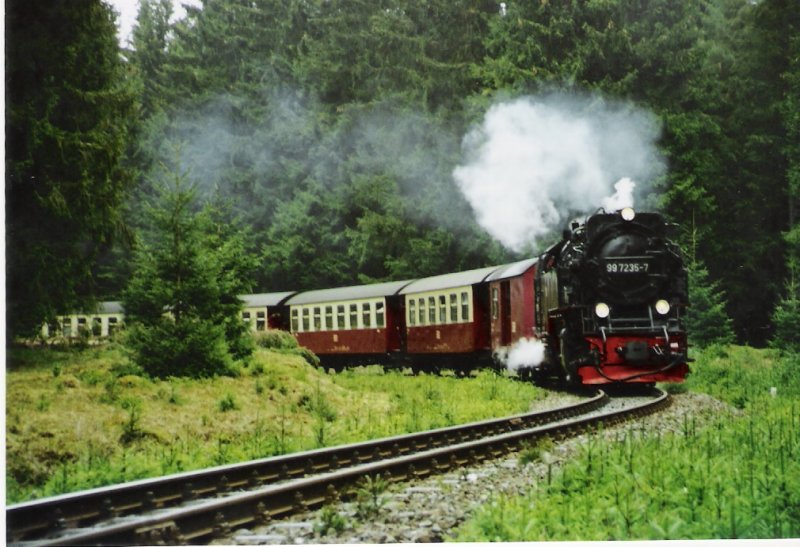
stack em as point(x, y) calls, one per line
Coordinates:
point(79, 419)
point(738, 477)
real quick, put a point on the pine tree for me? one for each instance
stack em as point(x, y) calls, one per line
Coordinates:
point(69, 108)
point(707, 322)
point(182, 302)
point(786, 317)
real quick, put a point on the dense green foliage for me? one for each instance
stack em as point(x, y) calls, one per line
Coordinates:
point(333, 129)
point(707, 321)
point(68, 110)
point(182, 303)
point(733, 475)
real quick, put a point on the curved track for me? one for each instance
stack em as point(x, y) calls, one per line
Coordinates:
point(197, 506)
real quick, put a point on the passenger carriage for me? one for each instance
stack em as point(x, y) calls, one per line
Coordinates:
point(512, 311)
point(266, 310)
point(447, 320)
point(349, 325)
point(103, 322)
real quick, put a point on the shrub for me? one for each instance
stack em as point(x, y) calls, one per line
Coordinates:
point(309, 356)
point(275, 339)
point(228, 403)
point(786, 319)
point(194, 347)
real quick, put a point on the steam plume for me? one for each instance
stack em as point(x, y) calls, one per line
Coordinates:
point(527, 352)
point(534, 162)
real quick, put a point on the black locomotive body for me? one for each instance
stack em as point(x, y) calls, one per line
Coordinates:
point(613, 291)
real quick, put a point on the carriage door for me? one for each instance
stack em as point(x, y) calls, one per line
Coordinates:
point(505, 313)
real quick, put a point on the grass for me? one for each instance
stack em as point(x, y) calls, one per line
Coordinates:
point(80, 418)
point(739, 477)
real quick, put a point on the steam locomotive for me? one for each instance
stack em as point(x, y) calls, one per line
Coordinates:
point(612, 293)
point(603, 305)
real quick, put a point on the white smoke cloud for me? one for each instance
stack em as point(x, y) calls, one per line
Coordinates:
point(623, 197)
point(527, 352)
point(534, 162)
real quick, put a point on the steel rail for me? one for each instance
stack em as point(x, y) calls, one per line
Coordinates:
point(217, 517)
point(42, 518)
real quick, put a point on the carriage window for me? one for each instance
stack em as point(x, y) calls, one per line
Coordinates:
point(379, 316)
point(454, 308)
point(431, 310)
point(246, 316)
point(66, 328)
point(295, 320)
point(340, 316)
point(328, 317)
point(366, 314)
point(317, 319)
point(442, 309)
point(495, 303)
point(353, 316)
point(412, 312)
point(306, 315)
point(464, 306)
point(261, 321)
point(422, 311)
point(112, 325)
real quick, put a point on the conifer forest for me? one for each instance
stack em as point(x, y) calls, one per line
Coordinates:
point(323, 143)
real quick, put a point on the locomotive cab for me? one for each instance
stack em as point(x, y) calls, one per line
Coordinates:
point(621, 288)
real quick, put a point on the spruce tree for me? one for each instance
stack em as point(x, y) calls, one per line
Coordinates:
point(786, 317)
point(707, 322)
point(69, 108)
point(182, 304)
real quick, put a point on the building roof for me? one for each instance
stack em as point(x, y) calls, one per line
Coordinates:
point(357, 292)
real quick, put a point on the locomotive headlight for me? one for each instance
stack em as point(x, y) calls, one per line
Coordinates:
point(662, 307)
point(601, 310)
point(628, 214)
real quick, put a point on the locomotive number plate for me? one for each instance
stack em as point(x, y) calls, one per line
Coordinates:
point(627, 267)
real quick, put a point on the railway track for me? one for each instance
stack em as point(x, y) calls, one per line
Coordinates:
point(197, 506)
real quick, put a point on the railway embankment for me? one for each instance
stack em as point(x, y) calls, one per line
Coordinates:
point(83, 418)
